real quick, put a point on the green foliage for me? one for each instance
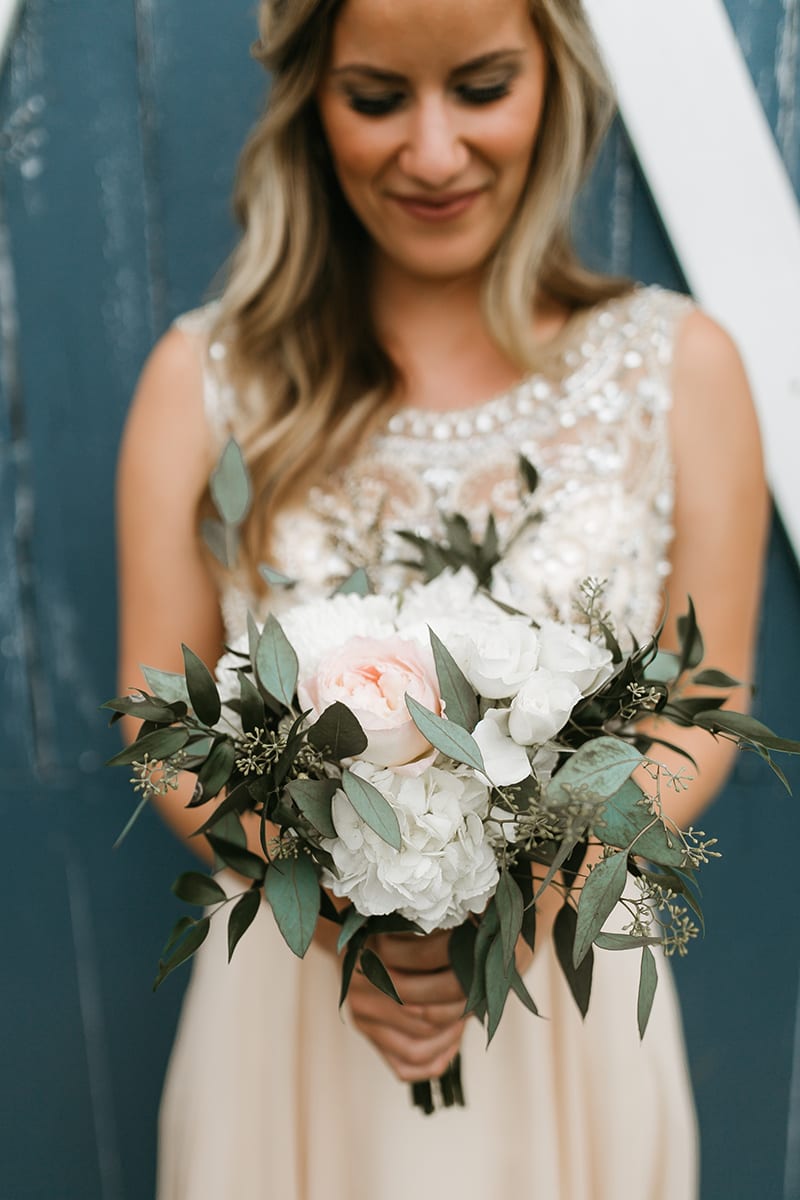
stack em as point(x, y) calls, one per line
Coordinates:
point(237, 858)
point(446, 736)
point(356, 584)
point(373, 808)
point(167, 685)
point(157, 745)
point(510, 911)
point(313, 798)
point(241, 918)
point(202, 689)
point(276, 578)
point(276, 663)
point(195, 888)
point(292, 889)
point(460, 702)
point(599, 897)
point(377, 974)
point(352, 923)
point(337, 734)
point(178, 951)
point(648, 982)
point(230, 485)
point(599, 769)
point(578, 977)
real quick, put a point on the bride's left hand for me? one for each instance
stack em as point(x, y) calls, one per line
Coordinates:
point(421, 1037)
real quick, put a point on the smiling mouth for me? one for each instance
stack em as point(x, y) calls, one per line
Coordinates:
point(438, 208)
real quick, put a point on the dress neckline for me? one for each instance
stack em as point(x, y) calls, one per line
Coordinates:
point(563, 358)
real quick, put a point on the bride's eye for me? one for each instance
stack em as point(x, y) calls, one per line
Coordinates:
point(485, 94)
point(377, 105)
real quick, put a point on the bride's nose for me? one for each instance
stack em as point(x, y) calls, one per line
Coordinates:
point(434, 153)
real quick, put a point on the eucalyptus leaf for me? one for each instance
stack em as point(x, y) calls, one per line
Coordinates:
point(579, 978)
point(648, 982)
point(460, 701)
point(214, 773)
point(166, 685)
point(145, 708)
point(622, 820)
point(599, 896)
point(498, 985)
point(349, 964)
point(487, 930)
point(292, 889)
point(251, 711)
point(313, 797)
point(242, 916)
point(230, 485)
point(716, 679)
point(377, 974)
point(446, 736)
point(520, 990)
point(530, 476)
point(624, 941)
point(461, 951)
point(353, 921)
point(238, 859)
point(356, 584)
point(276, 662)
point(221, 541)
point(742, 725)
point(510, 906)
point(195, 888)
point(691, 639)
point(600, 768)
point(158, 745)
point(373, 808)
point(275, 578)
point(664, 668)
point(203, 694)
point(337, 734)
point(229, 828)
point(195, 936)
point(178, 929)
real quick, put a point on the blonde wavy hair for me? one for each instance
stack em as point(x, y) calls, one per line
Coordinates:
point(309, 371)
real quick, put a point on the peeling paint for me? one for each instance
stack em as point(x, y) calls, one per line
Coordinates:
point(787, 69)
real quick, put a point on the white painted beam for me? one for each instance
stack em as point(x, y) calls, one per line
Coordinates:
point(8, 15)
point(724, 194)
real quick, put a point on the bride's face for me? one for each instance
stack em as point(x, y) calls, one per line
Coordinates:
point(431, 109)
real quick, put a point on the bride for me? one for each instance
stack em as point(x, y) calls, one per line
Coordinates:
point(404, 315)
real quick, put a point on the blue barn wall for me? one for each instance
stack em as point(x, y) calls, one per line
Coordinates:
point(119, 126)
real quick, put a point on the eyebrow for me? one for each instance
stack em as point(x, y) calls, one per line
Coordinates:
point(474, 64)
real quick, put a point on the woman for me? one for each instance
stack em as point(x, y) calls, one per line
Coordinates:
point(403, 316)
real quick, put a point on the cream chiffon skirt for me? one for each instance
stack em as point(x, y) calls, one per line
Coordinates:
point(270, 1095)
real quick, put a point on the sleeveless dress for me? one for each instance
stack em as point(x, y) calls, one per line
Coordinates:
point(270, 1093)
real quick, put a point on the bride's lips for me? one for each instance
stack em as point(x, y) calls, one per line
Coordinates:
point(438, 208)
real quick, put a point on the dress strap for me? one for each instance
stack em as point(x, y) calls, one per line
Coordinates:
point(218, 395)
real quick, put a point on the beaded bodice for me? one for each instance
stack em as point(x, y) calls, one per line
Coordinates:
point(594, 425)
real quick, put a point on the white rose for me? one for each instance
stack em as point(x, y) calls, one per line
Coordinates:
point(451, 594)
point(496, 656)
point(568, 653)
point(445, 868)
point(542, 707)
point(505, 760)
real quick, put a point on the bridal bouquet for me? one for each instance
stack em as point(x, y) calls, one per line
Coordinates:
point(434, 760)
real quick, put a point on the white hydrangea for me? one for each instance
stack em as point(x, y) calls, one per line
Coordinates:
point(445, 868)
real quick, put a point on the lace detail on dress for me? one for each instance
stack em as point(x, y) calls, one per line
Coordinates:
point(595, 428)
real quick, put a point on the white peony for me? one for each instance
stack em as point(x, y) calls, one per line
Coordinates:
point(566, 652)
point(542, 707)
point(445, 868)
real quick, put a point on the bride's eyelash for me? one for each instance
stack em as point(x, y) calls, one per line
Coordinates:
point(383, 105)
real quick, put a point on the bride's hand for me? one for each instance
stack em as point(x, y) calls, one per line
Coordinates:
point(419, 1038)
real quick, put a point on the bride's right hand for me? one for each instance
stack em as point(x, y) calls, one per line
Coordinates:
point(419, 1038)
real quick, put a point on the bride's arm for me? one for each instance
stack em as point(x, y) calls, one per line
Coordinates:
point(721, 520)
point(166, 593)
